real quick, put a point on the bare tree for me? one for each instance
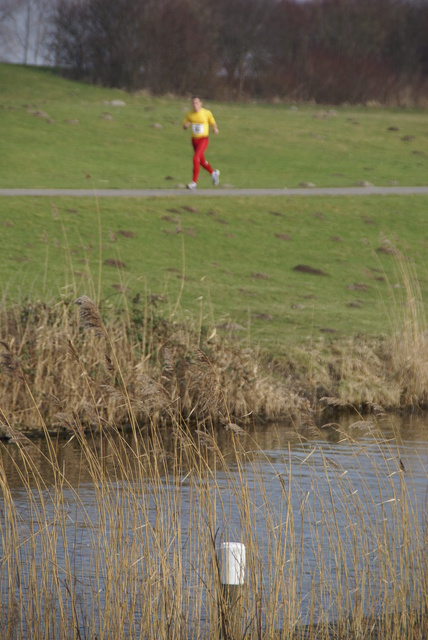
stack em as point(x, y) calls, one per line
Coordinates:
point(4, 13)
point(23, 26)
point(7, 29)
point(326, 50)
point(287, 39)
point(179, 56)
point(70, 36)
point(239, 25)
point(100, 39)
point(40, 28)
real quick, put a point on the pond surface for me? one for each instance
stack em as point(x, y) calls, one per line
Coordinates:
point(328, 509)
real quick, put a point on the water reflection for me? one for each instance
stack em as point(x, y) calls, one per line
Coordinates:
point(409, 435)
point(340, 482)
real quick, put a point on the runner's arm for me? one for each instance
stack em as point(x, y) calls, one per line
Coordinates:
point(212, 122)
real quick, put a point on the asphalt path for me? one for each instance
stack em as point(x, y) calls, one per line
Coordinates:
point(153, 193)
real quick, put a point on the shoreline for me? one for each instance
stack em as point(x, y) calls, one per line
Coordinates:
point(57, 369)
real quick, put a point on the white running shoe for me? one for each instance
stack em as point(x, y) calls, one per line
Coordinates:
point(191, 186)
point(215, 176)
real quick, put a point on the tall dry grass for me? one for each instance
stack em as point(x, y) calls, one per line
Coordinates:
point(371, 373)
point(126, 369)
point(130, 550)
point(160, 367)
point(167, 369)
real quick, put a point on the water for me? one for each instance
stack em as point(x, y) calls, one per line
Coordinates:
point(327, 509)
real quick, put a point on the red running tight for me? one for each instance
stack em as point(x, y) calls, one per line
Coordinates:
point(199, 146)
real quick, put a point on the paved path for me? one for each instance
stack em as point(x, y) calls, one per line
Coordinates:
point(151, 193)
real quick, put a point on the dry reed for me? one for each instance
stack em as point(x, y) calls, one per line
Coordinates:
point(143, 367)
point(345, 558)
point(108, 367)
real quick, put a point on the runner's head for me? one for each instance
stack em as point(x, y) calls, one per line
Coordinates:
point(196, 103)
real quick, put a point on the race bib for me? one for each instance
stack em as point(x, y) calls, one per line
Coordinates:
point(197, 129)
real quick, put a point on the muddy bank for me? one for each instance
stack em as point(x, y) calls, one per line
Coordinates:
point(65, 366)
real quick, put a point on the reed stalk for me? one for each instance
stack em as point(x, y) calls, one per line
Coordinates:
point(343, 558)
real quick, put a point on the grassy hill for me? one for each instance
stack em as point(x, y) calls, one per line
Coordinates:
point(226, 262)
point(56, 133)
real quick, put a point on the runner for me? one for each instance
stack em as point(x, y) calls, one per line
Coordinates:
point(200, 120)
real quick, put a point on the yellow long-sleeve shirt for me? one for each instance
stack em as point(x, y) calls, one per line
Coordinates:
point(200, 122)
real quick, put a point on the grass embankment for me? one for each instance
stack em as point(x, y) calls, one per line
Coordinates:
point(323, 290)
point(286, 270)
point(55, 133)
point(187, 280)
point(350, 327)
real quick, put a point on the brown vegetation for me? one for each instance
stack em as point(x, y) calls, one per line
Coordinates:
point(141, 561)
point(327, 51)
point(126, 545)
point(155, 370)
point(79, 365)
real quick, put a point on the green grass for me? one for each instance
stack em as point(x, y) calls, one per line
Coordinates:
point(227, 259)
point(259, 145)
point(234, 252)
point(237, 256)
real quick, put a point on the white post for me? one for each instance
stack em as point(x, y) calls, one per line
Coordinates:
point(232, 563)
point(232, 578)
